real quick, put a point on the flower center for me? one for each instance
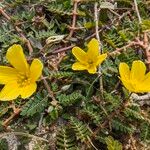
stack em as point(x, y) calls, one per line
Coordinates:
point(90, 62)
point(23, 80)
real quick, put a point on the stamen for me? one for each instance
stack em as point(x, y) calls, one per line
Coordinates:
point(23, 80)
point(90, 62)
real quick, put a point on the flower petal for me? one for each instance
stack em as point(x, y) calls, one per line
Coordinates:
point(7, 74)
point(137, 71)
point(93, 49)
point(10, 92)
point(144, 84)
point(124, 71)
point(79, 54)
point(78, 66)
point(92, 69)
point(17, 58)
point(28, 90)
point(147, 77)
point(144, 88)
point(36, 69)
point(128, 85)
point(101, 58)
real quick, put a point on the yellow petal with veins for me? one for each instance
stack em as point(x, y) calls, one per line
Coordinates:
point(92, 69)
point(35, 69)
point(137, 71)
point(93, 49)
point(78, 66)
point(28, 90)
point(124, 71)
point(100, 59)
point(7, 74)
point(128, 86)
point(147, 77)
point(17, 58)
point(79, 54)
point(10, 92)
point(145, 84)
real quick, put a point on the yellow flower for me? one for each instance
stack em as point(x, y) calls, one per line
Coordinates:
point(21, 78)
point(135, 80)
point(88, 60)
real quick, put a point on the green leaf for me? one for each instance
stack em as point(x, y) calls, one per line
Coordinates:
point(145, 25)
point(81, 130)
point(113, 144)
point(35, 105)
point(66, 139)
point(69, 100)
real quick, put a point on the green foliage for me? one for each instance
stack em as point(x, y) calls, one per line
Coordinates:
point(42, 34)
point(120, 126)
point(47, 25)
point(58, 74)
point(145, 25)
point(81, 130)
point(145, 131)
point(112, 100)
point(66, 139)
point(3, 109)
point(69, 100)
point(94, 115)
point(114, 39)
point(7, 36)
point(58, 9)
point(113, 144)
point(53, 112)
point(3, 144)
point(35, 105)
point(129, 112)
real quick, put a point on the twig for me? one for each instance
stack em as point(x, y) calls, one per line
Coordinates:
point(92, 143)
point(106, 26)
point(100, 49)
point(40, 122)
point(62, 49)
point(103, 125)
point(147, 49)
point(15, 113)
point(4, 14)
point(89, 37)
point(133, 143)
point(18, 30)
point(119, 50)
point(25, 39)
point(137, 11)
point(114, 12)
point(23, 134)
point(137, 42)
point(110, 117)
point(51, 94)
point(96, 22)
point(72, 28)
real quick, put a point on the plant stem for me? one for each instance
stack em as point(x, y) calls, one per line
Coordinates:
point(137, 11)
point(100, 49)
